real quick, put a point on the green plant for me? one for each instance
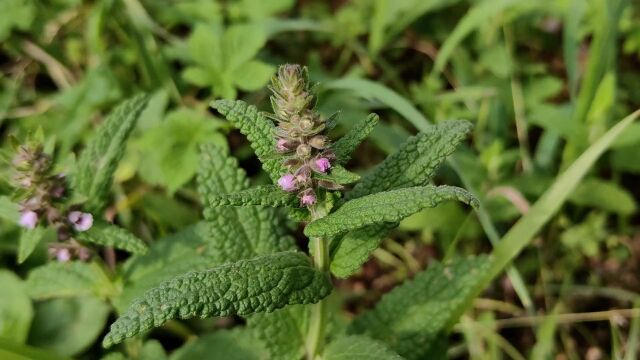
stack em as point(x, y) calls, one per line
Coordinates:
point(260, 269)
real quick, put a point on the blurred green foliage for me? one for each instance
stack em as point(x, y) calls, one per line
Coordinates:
point(541, 81)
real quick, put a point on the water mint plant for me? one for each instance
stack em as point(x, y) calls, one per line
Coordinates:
point(62, 212)
point(251, 267)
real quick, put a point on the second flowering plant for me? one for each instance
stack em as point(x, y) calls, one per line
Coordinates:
point(249, 266)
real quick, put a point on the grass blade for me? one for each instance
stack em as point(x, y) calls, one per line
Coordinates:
point(528, 226)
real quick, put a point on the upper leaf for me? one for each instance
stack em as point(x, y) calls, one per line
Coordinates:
point(237, 232)
point(389, 206)
point(264, 195)
point(416, 161)
point(352, 250)
point(99, 160)
point(358, 347)
point(258, 129)
point(261, 284)
point(338, 175)
point(350, 141)
point(112, 235)
point(411, 316)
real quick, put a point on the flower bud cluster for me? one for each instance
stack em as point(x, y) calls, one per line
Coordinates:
point(42, 200)
point(300, 134)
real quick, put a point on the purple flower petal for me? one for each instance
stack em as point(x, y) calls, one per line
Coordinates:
point(28, 219)
point(287, 182)
point(80, 221)
point(281, 145)
point(308, 199)
point(322, 164)
point(63, 255)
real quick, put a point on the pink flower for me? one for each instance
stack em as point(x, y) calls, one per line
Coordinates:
point(281, 145)
point(287, 182)
point(63, 255)
point(80, 221)
point(308, 199)
point(28, 219)
point(322, 164)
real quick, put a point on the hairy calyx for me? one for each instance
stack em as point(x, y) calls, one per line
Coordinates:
point(301, 134)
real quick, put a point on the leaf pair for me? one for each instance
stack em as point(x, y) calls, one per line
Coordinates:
point(411, 166)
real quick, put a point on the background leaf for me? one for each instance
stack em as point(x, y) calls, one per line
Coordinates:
point(98, 161)
point(15, 309)
point(69, 326)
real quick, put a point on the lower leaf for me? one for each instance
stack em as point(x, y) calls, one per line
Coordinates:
point(355, 247)
point(261, 284)
point(358, 347)
point(413, 315)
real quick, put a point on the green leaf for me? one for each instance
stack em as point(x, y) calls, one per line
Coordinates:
point(338, 175)
point(261, 284)
point(354, 248)
point(258, 9)
point(169, 151)
point(358, 347)
point(29, 239)
point(225, 58)
point(476, 17)
point(99, 160)
point(416, 161)
point(176, 254)
point(15, 309)
point(389, 206)
point(240, 43)
point(412, 315)
point(263, 195)
point(112, 235)
point(150, 350)
point(282, 332)
point(235, 344)
point(14, 351)
point(374, 91)
point(73, 278)
point(253, 75)
point(237, 232)
point(604, 195)
point(68, 326)
point(346, 145)
point(22, 14)
point(258, 129)
point(9, 210)
point(550, 202)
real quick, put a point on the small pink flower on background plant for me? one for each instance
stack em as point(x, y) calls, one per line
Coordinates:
point(80, 221)
point(281, 145)
point(287, 182)
point(63, 255)
point(322, 164)
point(28, 219)
point(308, 199)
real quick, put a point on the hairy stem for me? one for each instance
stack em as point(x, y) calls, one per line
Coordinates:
point(318, 321)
